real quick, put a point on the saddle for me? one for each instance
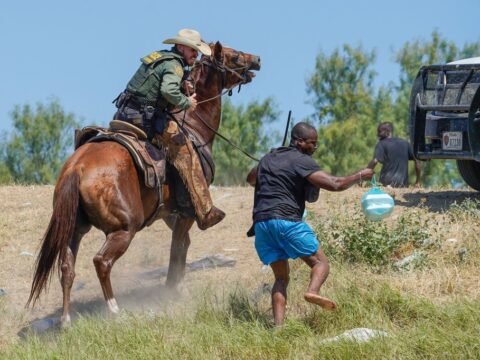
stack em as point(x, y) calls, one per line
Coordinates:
point(149, 160)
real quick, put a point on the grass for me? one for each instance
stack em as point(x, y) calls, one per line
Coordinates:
point(219, 325)
point(430, 310)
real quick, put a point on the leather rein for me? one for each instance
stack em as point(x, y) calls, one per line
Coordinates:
point(221, 67)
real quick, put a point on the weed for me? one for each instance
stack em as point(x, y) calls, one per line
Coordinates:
point(467, 210)
point(356, 239)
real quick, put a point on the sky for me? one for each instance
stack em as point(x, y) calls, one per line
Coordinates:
point(84, 52)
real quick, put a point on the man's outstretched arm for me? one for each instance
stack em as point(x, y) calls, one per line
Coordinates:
point(329, 182)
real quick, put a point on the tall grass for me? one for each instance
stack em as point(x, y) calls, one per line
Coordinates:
point(430, 310)
point(219, 324)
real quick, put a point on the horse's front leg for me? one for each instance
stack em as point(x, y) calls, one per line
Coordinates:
point(178, 251)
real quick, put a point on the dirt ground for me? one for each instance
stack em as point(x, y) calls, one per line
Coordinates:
point(26, 212)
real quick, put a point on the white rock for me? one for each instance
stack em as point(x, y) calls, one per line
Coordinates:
point(406, 260)
point(360, 335)
point(451, 241)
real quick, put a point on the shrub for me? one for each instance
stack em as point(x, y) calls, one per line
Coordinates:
point(355, 239)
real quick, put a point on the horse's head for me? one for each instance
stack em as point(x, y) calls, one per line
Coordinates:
point(235, 66)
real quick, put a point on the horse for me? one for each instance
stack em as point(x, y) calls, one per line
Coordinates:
point(99, 186)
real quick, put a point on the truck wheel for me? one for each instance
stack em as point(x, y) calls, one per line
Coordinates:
point(470, 172)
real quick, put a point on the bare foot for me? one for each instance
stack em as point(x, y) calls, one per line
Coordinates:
point(324, 302)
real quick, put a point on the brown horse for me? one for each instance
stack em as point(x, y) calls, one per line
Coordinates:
point(99, 186)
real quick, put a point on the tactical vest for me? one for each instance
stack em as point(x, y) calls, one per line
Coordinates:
point(146, 82)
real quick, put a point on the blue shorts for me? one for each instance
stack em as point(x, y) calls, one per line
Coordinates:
point(281, 239)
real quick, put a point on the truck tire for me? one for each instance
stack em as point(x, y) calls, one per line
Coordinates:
point(470, 172)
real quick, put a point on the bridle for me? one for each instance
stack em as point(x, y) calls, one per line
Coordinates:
point(239, 72)
point(223, 69)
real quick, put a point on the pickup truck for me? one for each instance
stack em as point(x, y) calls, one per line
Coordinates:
point(445, 116)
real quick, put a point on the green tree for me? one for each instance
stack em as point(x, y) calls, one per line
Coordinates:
point(411, 57)
point(245, 126)
point(342, 84)
point(39, 142)
point(347, 107)
point(5, 176)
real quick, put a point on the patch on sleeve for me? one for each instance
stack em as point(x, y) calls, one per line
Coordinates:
point(154, 56)
point(178, 71)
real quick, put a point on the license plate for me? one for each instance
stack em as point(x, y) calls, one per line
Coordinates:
point(452, 140)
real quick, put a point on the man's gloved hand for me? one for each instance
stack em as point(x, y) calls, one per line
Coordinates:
point(193, 101)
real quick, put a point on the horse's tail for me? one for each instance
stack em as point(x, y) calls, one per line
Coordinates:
point(58, 234)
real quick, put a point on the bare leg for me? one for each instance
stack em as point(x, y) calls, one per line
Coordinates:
point(318, 262)
point(178, 251)
point(68, 271)
point(115, 245)
point(281, 272)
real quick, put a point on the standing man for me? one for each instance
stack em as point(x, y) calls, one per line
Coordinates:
point(283, 180)
point(393, 153)
point(153, 91)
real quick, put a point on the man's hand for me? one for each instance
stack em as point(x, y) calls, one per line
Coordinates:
point(193, 102)
point(252, 176)
point(372, 164)
point(366, 174)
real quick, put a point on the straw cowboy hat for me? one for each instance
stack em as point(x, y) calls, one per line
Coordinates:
point(192, 39)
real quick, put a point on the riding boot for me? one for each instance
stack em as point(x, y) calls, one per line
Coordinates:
point(183, 156)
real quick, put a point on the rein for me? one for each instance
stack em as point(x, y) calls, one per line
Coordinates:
point(230, 142)
point(223, 69)
point(213, 63)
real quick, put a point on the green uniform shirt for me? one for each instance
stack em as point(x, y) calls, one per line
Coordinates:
point(157, 82)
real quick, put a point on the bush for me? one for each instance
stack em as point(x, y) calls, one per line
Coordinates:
point(356, 239)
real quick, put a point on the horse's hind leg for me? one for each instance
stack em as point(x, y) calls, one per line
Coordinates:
point(68, 269)
point(178, 250)
point(115, 245)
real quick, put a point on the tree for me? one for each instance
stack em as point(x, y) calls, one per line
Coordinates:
point(245, 127)
point(39, 143)
point(342, 84)
point(347, 108)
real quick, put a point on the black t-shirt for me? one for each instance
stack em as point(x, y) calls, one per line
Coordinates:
point(281, 184)
point(394, 154)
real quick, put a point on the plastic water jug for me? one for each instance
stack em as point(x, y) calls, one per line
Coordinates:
point(376, 204)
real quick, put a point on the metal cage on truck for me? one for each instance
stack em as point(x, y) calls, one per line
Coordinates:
point(445, 117)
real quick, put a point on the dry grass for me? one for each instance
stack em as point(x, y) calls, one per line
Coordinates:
point(26, 211)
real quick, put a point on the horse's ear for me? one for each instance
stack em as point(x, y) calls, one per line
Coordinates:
point(217, 52)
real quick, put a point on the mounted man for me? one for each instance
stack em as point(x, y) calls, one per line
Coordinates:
point(154, 91)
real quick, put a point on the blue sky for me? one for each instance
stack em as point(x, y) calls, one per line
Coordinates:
point(84, 52)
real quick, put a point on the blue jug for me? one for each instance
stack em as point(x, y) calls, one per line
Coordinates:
point(376, 204)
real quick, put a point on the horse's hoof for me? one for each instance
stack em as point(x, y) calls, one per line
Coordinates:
point(65, 322)
point(113, 306)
